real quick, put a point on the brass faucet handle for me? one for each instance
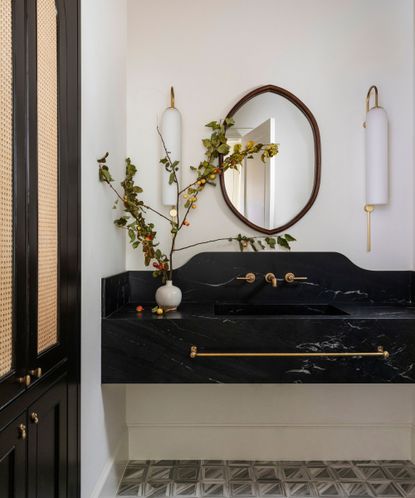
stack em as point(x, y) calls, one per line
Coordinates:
point(290, 278)
point(249, 278)
point(271, 279)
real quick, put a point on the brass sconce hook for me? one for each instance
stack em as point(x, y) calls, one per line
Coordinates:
point(172, 97)
point(374, 89)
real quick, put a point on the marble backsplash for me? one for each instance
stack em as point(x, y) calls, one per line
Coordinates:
point(211, 277)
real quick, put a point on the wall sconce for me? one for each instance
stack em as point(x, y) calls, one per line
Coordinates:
point(376, 152)
point(171, 131)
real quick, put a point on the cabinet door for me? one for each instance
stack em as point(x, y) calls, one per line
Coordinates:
point(13, 452)
point(47, 182)
point(47, 459)
point(13, 325)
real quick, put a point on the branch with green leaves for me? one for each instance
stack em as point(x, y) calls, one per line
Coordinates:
point(218, 158)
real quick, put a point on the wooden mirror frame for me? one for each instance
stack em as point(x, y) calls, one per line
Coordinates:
point(317, 156)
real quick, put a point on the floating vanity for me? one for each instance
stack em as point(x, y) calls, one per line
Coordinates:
point(341, 324)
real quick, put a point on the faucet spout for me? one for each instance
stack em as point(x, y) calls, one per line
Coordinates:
point(271, 279)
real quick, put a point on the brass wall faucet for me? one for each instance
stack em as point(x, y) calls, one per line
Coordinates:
point(290, 278)
point(271, 279)
point(249, 278)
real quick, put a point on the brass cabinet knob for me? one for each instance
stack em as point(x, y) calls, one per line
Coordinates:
point(26, 380)
point(37, 373)
point(22, 431)
point(271, 279)
point(34, 417)
point(290, 278)
point(249, 278)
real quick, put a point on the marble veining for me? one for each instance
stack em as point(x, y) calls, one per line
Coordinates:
point(376, 311)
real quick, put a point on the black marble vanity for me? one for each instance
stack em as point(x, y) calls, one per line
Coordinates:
point(339, 309)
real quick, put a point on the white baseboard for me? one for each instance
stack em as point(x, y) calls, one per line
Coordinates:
point(271, 441)
point(107, 484)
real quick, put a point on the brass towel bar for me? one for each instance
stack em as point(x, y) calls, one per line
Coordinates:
point(194, 353)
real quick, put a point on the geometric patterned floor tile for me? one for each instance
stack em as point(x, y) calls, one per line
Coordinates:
point(268, 479)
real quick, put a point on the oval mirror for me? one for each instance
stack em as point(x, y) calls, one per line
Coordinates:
point(273, 196)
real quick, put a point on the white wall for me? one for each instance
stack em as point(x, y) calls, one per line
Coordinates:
point(328, 53)
point(103, 129)
point(270, 422)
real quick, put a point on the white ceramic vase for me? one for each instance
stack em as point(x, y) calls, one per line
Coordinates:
point(168, 295)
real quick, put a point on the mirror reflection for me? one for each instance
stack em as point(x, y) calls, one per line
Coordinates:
point(270, 195)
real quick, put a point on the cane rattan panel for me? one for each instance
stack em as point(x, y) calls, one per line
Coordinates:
point(47, 92)
point(6, 188)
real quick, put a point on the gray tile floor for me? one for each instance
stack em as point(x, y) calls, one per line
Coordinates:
point(247, 479)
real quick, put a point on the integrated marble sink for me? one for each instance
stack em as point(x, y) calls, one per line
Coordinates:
point(277, 309)
point(344, 324)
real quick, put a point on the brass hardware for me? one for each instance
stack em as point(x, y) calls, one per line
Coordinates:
point(34, 417)
point(369, 208)
point(290, 278)
point(22, 431)
point(375, 89)
point(37, 372)
point(249, 278)
point(271, 279)
point(26, 380)
point(380, 352)
point(172, 97)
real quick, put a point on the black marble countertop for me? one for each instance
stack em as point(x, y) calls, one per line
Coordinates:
point(206, 311)
point(341, 308)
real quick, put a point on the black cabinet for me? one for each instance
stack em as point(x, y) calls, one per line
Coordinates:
point(40, 248)
point(47, 444)
point(13, 458)
point(33, 448)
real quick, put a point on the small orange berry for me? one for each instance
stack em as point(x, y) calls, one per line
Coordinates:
point(194, 206)
point(139, 309)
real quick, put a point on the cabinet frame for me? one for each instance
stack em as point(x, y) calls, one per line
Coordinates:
point(64, 359)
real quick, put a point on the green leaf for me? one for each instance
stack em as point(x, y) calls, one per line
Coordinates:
point(121, 222)
point(271, 242)
point(283, 243)
point(223, 149)
point(213, 124)
point(252, 244)
point(105, 175)
point(103, 159)
point(289, 238)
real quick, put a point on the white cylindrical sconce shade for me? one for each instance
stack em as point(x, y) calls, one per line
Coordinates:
point(171, 131)
point(377, 175)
